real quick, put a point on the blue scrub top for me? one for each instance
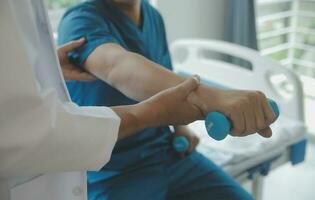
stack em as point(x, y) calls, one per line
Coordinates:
point(101, 22)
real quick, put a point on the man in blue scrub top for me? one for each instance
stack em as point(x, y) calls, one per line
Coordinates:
point(127, 50)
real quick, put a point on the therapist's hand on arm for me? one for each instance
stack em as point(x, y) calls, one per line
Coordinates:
point(140, 78)
point(171, 106)
point(70, 72)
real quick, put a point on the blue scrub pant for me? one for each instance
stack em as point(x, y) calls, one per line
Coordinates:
point(193, 178)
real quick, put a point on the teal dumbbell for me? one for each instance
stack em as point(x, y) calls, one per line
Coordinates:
point(218, 126)
point(180, 144)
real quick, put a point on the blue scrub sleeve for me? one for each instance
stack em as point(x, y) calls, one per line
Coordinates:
point(79, 23)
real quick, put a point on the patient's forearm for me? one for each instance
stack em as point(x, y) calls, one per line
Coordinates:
point(130, 73)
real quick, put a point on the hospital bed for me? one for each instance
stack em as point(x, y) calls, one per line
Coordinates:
point(252, 157)
point(248, 158)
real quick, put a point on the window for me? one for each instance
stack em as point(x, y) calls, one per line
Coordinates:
point(56, 8)
point(286, 32)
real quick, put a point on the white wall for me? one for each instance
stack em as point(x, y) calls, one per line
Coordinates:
point(193, 18)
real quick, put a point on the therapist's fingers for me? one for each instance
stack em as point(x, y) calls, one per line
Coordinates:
point(69, 70)
point(72, 45)
point(74, 74)
point(189, 85)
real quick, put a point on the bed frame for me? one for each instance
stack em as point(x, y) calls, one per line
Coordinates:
point(209, 59)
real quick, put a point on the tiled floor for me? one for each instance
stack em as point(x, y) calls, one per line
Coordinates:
point(293, 183)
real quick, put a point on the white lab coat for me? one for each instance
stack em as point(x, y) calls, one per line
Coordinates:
point(40, 129)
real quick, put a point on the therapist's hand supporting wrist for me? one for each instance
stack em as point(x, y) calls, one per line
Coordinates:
point(169, 107)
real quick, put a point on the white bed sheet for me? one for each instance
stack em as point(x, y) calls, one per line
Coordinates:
point(239, 153)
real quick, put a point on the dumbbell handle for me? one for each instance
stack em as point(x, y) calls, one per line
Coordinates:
point(218, 126)
point(180, 144)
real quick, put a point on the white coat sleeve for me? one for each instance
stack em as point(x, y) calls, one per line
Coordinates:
point(41, 135)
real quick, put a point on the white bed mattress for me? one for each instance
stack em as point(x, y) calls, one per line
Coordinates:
point(236, 154)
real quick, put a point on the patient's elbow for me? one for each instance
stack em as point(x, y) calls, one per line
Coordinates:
point(107, 62)
point(118, 72)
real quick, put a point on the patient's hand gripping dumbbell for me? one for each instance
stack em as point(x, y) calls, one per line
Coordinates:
point(218, 127)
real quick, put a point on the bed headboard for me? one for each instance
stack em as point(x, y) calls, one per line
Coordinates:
point(190, 56)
